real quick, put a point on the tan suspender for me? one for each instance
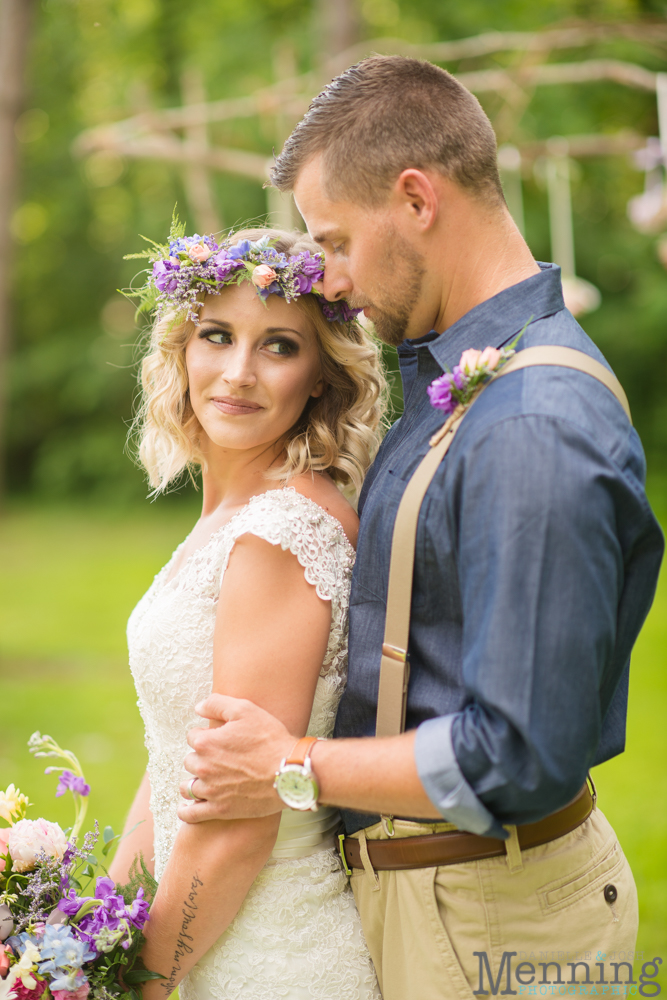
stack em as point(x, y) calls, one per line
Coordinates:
point(394, 669)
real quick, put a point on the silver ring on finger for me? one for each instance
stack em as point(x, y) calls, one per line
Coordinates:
point(191, 793)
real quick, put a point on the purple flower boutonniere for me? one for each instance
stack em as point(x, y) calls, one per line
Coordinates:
point(458, 387)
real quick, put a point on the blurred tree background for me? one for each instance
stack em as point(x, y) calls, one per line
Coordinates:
point(73, 364)
point(77, 545)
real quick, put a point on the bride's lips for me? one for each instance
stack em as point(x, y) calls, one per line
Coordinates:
point(235, 406)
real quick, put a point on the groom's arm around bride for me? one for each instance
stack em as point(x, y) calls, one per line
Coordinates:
point(536, 559)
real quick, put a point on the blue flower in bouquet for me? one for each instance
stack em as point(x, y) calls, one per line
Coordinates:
point(62, 956)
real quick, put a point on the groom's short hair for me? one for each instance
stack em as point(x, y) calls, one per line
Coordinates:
point(384, 115)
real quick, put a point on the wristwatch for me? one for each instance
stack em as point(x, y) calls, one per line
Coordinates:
point(295, 781)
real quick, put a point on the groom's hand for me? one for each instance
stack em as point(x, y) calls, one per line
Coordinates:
point(234, 762)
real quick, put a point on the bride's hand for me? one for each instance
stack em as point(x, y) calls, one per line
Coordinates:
point(234, 761)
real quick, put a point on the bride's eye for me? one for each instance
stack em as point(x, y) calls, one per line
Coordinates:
point(216, 336)
point(283, 348)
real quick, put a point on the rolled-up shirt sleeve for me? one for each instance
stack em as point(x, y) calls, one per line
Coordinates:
point(535, 510)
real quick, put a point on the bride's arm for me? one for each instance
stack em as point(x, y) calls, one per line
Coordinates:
point(140, 840)
point(270, 640)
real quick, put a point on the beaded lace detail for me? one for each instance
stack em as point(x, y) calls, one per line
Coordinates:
point(298, 934)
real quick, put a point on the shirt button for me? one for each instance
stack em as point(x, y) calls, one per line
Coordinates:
point(610, 893)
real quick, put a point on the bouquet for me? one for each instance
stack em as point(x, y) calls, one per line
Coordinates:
point(62, 937)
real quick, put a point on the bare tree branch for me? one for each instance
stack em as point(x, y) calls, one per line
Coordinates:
point(162, 147)
point(548, 74)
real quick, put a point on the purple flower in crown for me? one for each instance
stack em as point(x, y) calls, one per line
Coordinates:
point(338, 312)
point(225, 265)
point(303, 284)
point(71, 781)
point(310, 266)
point(165, 275)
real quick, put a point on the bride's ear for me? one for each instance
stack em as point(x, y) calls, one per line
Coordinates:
point(319, 388)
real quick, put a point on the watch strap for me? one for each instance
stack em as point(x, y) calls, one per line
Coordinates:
point(301, 750)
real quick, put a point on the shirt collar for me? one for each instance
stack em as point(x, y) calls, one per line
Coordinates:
point(493, 322)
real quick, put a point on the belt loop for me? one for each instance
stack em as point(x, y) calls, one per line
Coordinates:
point(366, 861)
point(514, 859)
point(594, 791)
point(388, 825)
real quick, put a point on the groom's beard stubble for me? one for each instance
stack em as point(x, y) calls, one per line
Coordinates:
point(404, 270)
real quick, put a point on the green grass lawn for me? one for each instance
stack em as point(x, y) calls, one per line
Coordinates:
point(68, 581)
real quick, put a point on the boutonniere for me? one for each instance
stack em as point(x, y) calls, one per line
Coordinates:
point(475, 368)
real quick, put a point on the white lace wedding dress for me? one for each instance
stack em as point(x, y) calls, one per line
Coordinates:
point(298, 935)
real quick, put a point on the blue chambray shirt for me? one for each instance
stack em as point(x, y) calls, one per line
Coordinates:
point(536, 563)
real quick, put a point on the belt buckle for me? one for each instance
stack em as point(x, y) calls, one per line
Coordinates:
point(341, 851)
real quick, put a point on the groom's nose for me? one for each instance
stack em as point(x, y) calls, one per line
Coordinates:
point(337, 281)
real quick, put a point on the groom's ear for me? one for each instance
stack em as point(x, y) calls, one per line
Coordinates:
point(415, 192)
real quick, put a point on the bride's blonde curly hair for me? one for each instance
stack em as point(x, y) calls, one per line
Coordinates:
point(337, 433)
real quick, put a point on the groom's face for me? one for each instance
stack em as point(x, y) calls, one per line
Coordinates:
point(370, 261)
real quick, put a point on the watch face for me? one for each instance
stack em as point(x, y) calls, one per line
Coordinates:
point(296, 787)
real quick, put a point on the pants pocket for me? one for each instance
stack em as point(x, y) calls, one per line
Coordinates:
point(576, 886)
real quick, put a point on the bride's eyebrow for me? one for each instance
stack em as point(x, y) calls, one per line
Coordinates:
point(217, 322)
point(284, 329)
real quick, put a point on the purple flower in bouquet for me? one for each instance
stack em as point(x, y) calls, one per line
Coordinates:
point(70, 904)
point(106, 918)
point(71, 781)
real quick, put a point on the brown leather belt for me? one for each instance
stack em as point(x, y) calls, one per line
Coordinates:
point(454, 847)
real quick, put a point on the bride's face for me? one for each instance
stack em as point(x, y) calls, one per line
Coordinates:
point(251, 368)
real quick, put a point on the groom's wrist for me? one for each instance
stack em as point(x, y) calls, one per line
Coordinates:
point(371, 775)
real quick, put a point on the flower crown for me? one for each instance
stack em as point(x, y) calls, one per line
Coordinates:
point(188, 267)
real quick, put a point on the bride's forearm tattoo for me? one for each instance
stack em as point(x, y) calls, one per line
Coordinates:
point(185, 939)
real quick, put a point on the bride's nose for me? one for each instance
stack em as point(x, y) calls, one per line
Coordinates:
point(239, 368)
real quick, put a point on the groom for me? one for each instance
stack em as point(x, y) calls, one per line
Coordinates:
point(536, 561)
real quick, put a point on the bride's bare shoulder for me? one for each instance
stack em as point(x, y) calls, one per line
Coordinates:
point(321, 488)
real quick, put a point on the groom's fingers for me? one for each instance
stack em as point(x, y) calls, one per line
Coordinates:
point(224, 708)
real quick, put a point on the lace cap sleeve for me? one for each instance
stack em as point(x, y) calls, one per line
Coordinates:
point(287, 518)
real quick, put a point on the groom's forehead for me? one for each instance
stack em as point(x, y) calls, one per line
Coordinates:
point(323, 216)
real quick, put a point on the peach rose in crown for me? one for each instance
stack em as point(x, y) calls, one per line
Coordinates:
point(29, 837)
point(199, 252)
point(263, 276)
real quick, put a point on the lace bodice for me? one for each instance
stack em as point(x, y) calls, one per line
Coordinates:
point(170, 635)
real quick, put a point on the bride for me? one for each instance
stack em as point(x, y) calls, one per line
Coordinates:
point(277, 396)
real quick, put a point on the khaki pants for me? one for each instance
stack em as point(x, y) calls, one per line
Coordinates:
point(547, 904)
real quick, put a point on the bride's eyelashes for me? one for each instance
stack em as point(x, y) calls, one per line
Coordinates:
point(281, 346)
